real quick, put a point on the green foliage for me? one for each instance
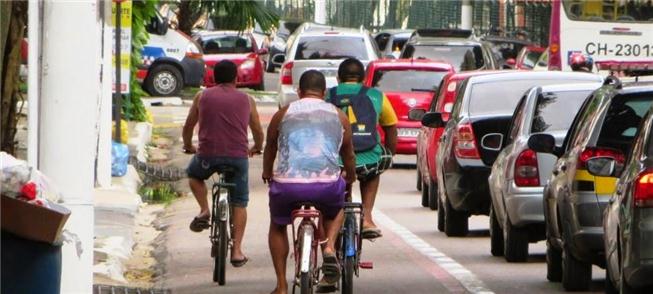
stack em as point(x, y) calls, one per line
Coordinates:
point(158, 193)
point(239, 14)
point(142, 12)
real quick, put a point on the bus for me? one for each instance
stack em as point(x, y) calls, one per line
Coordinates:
point(611, 32)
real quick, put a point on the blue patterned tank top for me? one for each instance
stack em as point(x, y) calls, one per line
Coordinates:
point(309, 141)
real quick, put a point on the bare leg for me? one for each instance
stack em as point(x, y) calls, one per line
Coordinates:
point(199, 191)
point(332, 228)
point(368, 195)
point(239, 222)
point(278, 242)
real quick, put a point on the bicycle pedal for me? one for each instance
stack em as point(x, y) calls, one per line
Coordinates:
point(366, 264)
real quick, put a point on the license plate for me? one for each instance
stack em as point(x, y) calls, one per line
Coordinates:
point(329, 72)
point(411, 133)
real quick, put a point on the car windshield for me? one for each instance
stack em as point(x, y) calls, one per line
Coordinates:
point(463, 57)
point(531, 58)
point(398, 44)
point(409, 80)
point(609, 11)
point(556, 110)
point(622, 120)
point(331, 47)
point(226, 44)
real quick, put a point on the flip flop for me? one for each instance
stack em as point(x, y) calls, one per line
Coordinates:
point(371, 233)
point(239, 262)
point(199, 224)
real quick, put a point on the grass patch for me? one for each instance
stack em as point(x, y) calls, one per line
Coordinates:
point(158, 193)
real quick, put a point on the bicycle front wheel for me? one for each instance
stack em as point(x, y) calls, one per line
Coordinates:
point(219, 270)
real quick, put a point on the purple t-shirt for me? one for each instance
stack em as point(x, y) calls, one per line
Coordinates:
point(224, 113)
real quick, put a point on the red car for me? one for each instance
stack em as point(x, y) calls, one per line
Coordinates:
point(527, 57)
point(241, 48)
point(429, 138)
point(408, 84)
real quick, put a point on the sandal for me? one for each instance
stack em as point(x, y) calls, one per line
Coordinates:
point(330, 268)
point(239, 262)
point(371, 233)
point(199, 224)
point(325, 287)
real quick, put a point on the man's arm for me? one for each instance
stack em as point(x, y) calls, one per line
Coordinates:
point(388, 121)
point(271, 144)
point(347, 149)
point(255, 126)
point(189, 126)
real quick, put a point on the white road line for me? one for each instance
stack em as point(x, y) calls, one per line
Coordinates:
point(466, 278)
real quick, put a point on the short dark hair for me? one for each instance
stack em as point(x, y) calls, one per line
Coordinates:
point(224, 71)
point(351, 68)
point(312, 80)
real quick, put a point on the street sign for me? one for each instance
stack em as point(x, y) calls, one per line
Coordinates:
point(125, 44)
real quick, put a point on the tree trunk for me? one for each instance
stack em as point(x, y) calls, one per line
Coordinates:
point(187, 16)
point(10, 74)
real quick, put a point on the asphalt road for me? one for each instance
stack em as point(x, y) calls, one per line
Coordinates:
point(412, 257)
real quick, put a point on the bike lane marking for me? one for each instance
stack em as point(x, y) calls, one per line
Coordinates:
point(465, 277)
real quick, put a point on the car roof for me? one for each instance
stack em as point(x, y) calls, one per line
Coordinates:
point(571, 87)
point(221, 33)
point(520, 75)
point(466, 74)
point(417, 63)
point(505, 40)
point(635, 87)
point(396, 32)
point(334, 32)
point(421, 41)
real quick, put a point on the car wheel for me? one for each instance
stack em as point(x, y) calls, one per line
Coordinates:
point(433, 195)
point(269, 67)
point(496, 234)
point(455, 222)
point(425, 195)
point(553, 263)
point(164, 80)
point(576, 274)
point(515, 246)
point(419, 178)
point(261, 86)
point(440, 216)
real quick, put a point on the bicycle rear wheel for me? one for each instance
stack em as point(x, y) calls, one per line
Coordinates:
point(306, 266)
point(219, 270)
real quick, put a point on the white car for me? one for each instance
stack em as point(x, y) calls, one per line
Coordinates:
point(519, 174)
point(321, 50)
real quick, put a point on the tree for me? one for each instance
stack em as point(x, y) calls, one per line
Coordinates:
point(226, 14)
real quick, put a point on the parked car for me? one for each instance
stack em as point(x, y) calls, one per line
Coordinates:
point(628, 233)
point(241, 49)
point(472, 137)
point(321, 50)
point(279, 41)
point(458, 47)
point(171, 60)
point(574, 199)
point(519, 174)
point(408, 84)
point(391, 42)
point(527, 57)
point(428, 139)
point(506, 49)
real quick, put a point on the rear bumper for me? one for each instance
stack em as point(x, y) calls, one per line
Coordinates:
point(468, 190)
point(524, 205)
point(287, 94)
point(406, 145)
point(193, 71)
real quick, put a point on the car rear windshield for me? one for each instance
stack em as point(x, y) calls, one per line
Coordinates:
point(531, 58)
point(463, 57)
point(556, 110)
point(331, 47)
point(409, 80)
point(501, 97)
point(622, 120)
point(226, 44)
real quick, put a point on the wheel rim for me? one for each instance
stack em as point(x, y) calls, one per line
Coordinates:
point(165, 82)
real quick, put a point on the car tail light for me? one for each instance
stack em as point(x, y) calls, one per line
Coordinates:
point(526, 172)
point(248, 63)
point(465, 142)
point(286, 73)
point(591, 152)
point(643, 195)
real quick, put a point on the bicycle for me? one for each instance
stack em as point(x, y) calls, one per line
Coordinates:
point(221, 223)
point(350, 244)
point(305, 246)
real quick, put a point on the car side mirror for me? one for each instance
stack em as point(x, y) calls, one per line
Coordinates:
point(492, 141)
point(416, 114)
point(279, 59)
point(511, 62)
point(543, 143)
point(162, 28)
point(604, 166)
point(433, 120)
point(262, 51)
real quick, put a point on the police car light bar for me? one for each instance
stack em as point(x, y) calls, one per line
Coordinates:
point(614, 65)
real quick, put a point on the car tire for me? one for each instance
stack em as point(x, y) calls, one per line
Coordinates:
point(496, 235)
point(164, 80)
point(269, 67)
point(261, 86)
point(419, 178)
point(515, 246)
point(576, 274)
point(425, 195)
point(440, 213)
point(553, 263)
point(433, 195)
point(456, 223)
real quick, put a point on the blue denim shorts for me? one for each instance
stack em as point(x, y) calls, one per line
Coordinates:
point(202, 167)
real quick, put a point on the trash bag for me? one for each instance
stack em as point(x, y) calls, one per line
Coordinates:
point(119, 159)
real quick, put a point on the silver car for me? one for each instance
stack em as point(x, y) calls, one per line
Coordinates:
point(321, 50)
point(519, 174)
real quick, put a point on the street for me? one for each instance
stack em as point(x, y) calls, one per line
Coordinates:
point(411, 257)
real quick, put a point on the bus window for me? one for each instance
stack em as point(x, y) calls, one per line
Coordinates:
point(620, 11)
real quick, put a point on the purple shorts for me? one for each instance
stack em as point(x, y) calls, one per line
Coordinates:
point(328, 198)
